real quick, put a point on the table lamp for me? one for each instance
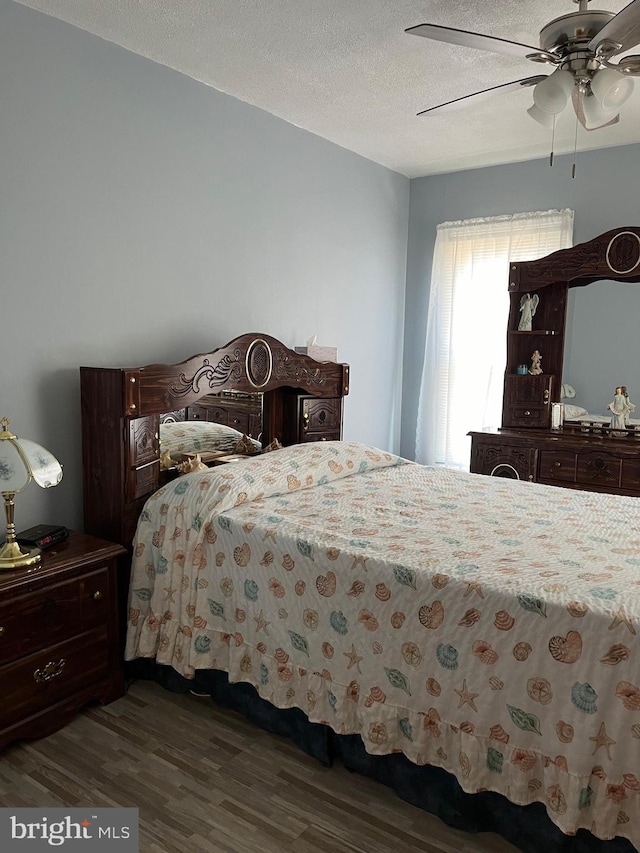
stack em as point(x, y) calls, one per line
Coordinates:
point(20, 462)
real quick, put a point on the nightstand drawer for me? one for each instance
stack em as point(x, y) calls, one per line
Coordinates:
point(34, 683)
point(54, 614)
point(320, 436)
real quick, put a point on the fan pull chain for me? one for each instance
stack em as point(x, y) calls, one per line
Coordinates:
point(553, 137)
point(575, 148)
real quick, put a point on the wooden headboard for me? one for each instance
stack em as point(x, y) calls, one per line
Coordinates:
point(121, 409)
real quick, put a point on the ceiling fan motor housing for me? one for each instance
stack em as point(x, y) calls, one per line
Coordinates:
point(572, 31)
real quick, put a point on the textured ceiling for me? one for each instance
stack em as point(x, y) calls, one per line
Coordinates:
point(346, 70)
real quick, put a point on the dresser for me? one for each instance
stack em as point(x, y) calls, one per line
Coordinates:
point(528, 445)
point(59, 640)
point(312, 419)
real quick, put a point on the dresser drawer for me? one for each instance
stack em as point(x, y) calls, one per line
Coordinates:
point(34, 683)
point(320, 436)
point(599, 469)
point(532, 416)
point(557, 465)
point(56, 613)
point(322, 416)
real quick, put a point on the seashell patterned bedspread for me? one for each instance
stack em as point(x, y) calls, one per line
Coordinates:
point(487, 626)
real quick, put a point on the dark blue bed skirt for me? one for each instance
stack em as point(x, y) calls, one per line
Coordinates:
point(428, 788)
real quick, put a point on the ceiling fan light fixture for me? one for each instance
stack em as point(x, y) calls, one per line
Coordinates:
point(551, 94)
point(594, 114)
point(545, 119)
point(611, 88)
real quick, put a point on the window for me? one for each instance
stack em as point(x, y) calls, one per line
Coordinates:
point(465, 350)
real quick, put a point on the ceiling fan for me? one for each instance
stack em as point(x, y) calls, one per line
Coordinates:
point(581, 45)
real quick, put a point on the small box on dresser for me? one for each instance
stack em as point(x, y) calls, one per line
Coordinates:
point(59, 637)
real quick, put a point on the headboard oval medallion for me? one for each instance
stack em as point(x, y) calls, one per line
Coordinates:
point(259, 363)
point(623, 253)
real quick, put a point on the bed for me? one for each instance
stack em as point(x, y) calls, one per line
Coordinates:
point(480, 633)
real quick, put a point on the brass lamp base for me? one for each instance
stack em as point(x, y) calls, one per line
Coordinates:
point(13, 557)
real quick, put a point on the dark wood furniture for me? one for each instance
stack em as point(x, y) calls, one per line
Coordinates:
point(59, 642)
point(241, 410)
point(526, 447)
point(301, 399)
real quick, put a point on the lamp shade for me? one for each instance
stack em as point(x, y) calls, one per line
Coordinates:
point(545, 119)
point(594, 114)
point(551, 94)
point(611, 88)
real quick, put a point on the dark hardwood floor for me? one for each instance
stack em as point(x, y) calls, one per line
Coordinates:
point(207, 781)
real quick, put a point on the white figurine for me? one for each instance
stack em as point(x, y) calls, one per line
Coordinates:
point(536, 366)
point(620, 408)
point(528, 306)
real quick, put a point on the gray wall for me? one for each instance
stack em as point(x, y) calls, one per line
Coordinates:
point(603, 344)
point(145, 217)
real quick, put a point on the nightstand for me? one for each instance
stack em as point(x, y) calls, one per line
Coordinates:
point(59, 643)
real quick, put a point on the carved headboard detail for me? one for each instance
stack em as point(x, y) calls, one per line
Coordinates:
point(122, 407)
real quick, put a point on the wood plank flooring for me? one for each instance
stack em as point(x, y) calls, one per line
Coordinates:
point(208, 781)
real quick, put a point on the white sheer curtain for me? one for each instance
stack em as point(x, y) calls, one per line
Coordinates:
point(465, 352)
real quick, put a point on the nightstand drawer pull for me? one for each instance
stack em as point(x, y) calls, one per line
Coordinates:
point(305, 421)
point(97, 595)
point(51, 670)
point(1, 630)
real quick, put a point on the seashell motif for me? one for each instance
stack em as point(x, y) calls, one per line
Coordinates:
point(311, 700)
point(503, 621)
point(629, 694)
point(584, 697)
point(635, 731)
point(470, 618)
point(383, 593)
point(442, 755)
point(134, 616)
point(366, 618)
point(210, 533)
point(158, 537)
point(288, 563)
point(267, 558)
point(328, 650)
point(556, 799)
point(357, 588)
point(433, 687)
point(199, 622)
point(447, 656)
point(599, 772)
point(484, 652)
point(293, 482)
point(219, 558)
point(534, 785)
point(335, 467)
point(282, 613)
point(284, 673)
point(281, 656)
point(353, 691)
point(498, 733)
point(630, 781)
point(495, 683)
point(242, 555)
point(539, 690)
point(431, 616)
point(333, 553)
point(397, 620)
point(199, 561)
point(290, 693)
point(440, 581)
point(377, 648)
point(465, 764)
point(248, 525)
point(377, 731)
point(239, 639)
point(276, 588)
point(616, 654)
point(564, 731)
point(467, 727)
point(376, 695)
point(577, 609)
point(566, 649)
point(310, 619)
point(339, 622)
point(326, 584)
point(521, 651)
point(300, 587)
point(412, 654)
point(245, 664)
point(190, 610)
point(623, 817)
point(261, 648)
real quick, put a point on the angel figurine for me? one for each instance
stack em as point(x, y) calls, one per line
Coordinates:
point(536, 366)
point(528, 307)
point(620, 408)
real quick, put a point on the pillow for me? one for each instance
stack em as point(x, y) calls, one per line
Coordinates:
point(571, 411)
point(197, 437)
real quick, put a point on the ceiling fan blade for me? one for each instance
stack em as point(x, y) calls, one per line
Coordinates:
point(577, 99)
point(504, 87)
point(479, 41)
point(622, 29)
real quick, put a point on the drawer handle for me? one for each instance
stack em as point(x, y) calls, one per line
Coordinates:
point(545, 396)
point(305, 421)
point(1, 630)
point(557, 464)
point(527, 413)
point(51, 670)
point(324, 438)
point(97, 595)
